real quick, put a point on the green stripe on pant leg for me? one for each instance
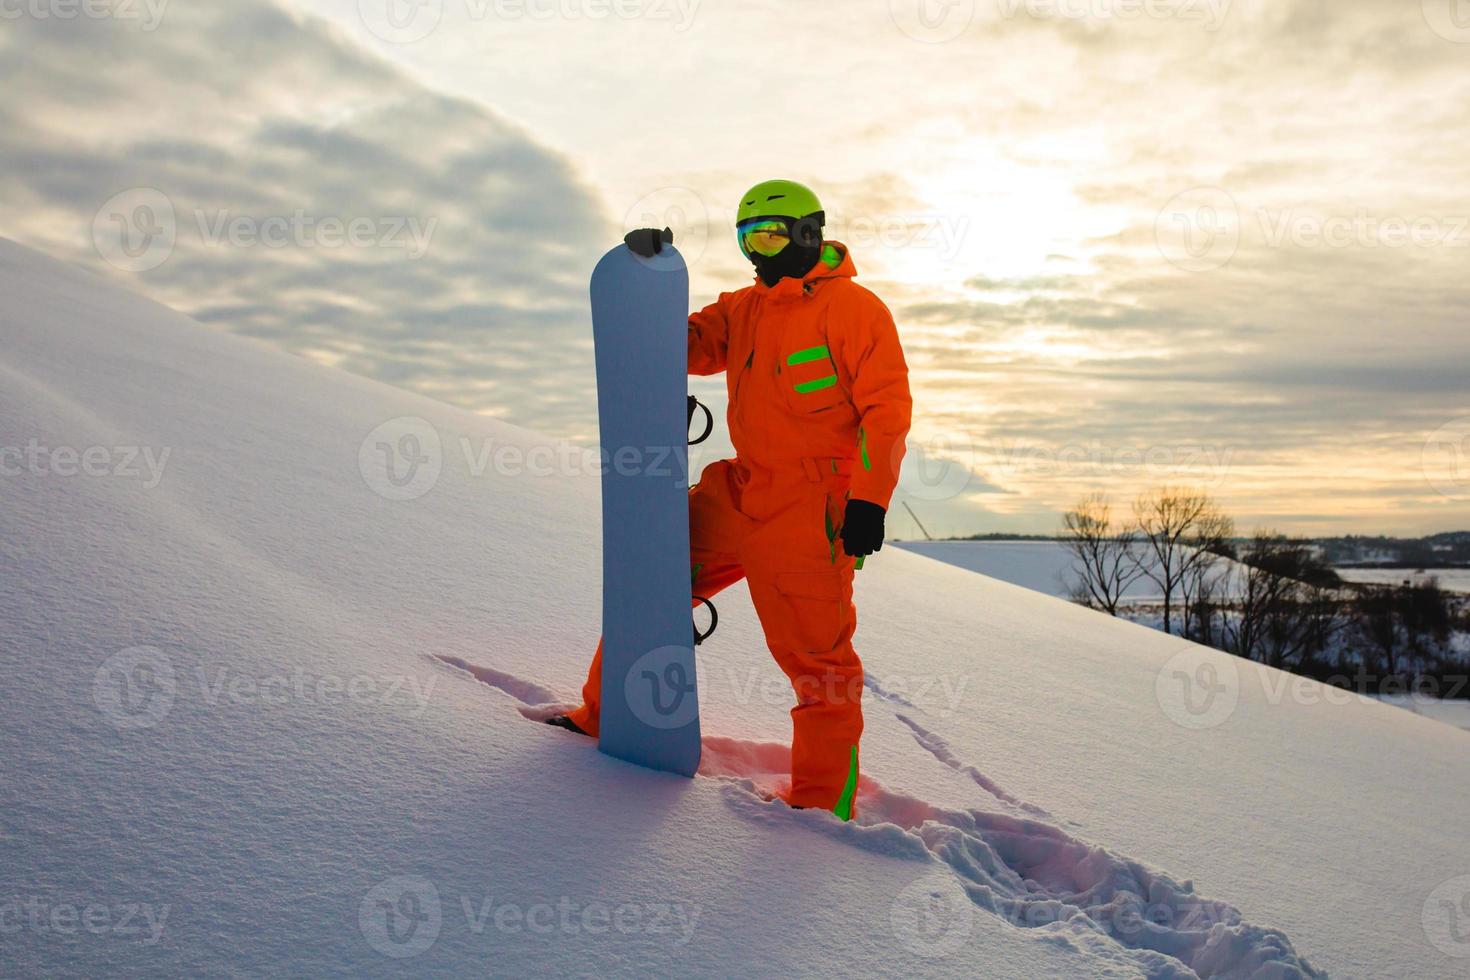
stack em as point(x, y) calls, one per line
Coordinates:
point(843, 809)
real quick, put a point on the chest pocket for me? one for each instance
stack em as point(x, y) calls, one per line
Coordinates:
point(808, 377)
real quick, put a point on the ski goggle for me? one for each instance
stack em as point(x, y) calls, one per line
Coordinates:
point(763, 236)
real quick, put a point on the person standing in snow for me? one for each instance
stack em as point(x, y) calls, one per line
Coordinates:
point(819, 406)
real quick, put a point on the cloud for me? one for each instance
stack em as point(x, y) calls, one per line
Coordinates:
point(318, 196)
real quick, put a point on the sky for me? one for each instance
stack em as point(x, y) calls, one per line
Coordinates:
point(1128, 243)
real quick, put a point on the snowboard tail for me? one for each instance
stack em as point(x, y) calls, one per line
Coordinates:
point(650, 700)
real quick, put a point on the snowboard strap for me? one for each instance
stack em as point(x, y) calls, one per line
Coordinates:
point(714, 620)
point(709, 419)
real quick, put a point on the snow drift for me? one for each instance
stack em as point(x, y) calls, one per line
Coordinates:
point(271, 709)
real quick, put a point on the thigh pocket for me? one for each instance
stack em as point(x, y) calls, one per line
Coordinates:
point(817, 608)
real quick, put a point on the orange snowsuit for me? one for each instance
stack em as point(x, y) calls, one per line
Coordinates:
point(818, 411)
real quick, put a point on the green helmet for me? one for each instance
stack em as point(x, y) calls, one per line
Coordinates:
point(778, 199)
point(774, 214)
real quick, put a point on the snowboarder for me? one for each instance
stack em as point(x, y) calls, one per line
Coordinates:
point(819, 407)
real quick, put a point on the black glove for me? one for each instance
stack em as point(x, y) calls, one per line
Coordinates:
point(862, 528)
point(648, 242)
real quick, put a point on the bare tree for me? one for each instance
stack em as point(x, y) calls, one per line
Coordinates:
point(1207, 545)
point(1170, 521)
point(1104, 558)
point(1404, 627)
point(1290, 607)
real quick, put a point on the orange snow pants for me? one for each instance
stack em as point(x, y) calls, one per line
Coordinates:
point(800, 582)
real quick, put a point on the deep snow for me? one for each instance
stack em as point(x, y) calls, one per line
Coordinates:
point(272, 712)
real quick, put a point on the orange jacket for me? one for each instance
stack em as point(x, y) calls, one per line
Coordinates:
point(815, 373)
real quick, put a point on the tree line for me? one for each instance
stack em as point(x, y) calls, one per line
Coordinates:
point(1271, 598)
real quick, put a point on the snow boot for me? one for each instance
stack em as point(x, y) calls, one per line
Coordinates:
point(562, 721)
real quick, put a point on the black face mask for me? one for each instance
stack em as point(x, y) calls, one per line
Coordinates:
point(796, 259)
point(793, 261)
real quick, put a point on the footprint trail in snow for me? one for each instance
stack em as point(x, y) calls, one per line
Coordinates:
point(1016, 865)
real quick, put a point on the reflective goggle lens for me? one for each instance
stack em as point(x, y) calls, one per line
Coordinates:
point(764, 237)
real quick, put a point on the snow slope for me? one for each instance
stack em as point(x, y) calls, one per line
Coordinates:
point(1045, 566)
point(1042, 566)
point(268, 712)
